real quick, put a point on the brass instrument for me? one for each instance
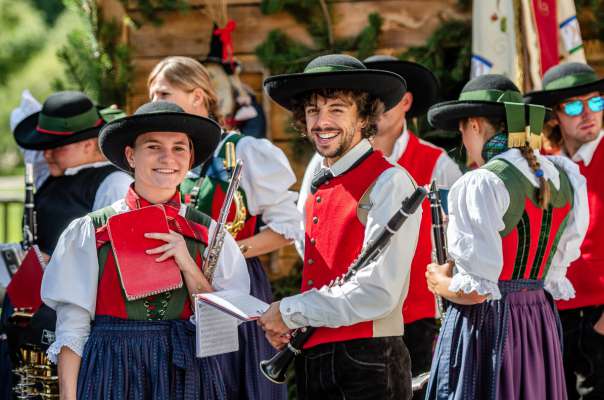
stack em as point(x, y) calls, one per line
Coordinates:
point(217, 239)
point(235, 226)
point(230, 162)
point(36, 375)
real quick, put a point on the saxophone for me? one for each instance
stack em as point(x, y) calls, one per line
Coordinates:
point(217, 239)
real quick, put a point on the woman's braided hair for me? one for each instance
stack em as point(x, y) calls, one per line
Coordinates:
point(544, 191)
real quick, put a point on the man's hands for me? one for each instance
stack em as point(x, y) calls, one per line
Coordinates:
point(277, 333)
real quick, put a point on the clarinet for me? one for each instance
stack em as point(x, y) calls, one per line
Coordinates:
point(275, 369)
point(217, 239)
point(30, 225)
point(438, 236)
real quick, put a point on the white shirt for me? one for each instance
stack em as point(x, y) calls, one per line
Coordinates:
point(587, 150)
point(477, 204)
point(71, 279)
point(375, 290)
point(266, 178)
point(446, 172)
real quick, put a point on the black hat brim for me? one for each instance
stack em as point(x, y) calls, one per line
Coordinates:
point(386, 86)
point(421, 82)
point(447, 115)
point(550, 98)
point(29, 138)
point(116, 135)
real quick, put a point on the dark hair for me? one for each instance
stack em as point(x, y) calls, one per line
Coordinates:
point(369, 108)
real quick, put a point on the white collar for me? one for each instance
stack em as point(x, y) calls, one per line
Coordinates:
point(399, 146)
point(348, 159)
point(75, 170)
point(587, 150)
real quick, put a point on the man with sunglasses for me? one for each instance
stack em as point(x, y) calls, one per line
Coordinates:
point(574, 92)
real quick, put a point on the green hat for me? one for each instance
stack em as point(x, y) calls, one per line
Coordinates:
point(336, 71)
point(66, 117)
point(564, 81)
point(493, 96)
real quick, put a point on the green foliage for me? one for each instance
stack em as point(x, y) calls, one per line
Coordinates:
point(447, 54)
point(36, 74)
point(51, 9)
point(95, 62)
point(282, 54)
point(21, 36)
point(149, 9)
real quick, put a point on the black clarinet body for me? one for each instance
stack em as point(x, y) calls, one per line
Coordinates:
point(30, 226)
point(438, 225)
point(275, 369)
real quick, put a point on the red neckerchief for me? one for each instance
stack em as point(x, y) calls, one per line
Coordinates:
point(176, 222)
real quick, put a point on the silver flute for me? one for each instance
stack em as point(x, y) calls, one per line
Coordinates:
point(217, 239)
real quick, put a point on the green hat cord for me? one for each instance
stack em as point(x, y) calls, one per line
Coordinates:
point(520, 131)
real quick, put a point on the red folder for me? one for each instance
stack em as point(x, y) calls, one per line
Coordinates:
point(140, 274)
point(24, 288)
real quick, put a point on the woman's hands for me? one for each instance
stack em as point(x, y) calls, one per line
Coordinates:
point(177, 247)
point(439, 279)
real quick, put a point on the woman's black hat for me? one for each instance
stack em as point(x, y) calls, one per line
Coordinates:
point(421, 82)
point(483, 96)
point(336, 71)
point(493, 96)
point(65, 118)
point(159, 116)
point(564, 81)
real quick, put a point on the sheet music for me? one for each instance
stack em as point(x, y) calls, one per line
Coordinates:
point(238, 304)
point(216, 332)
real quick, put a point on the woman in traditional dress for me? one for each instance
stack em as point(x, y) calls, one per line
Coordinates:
point(107, 346)
point(515, 224)
point(266, 199)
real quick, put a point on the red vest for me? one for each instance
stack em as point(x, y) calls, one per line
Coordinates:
point(249, 227)
point(334, 237)
point(587, 272)
point(419, 160)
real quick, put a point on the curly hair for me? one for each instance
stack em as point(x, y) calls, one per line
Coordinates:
point(369, 108)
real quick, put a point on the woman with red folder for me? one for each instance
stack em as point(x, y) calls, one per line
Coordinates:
point(108, 345)
point(265, 181)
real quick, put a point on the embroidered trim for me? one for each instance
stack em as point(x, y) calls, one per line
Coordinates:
point(76, 344)
point(560, 289)
point(468, 284)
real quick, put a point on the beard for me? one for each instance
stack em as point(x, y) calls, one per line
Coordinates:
point(344, 138)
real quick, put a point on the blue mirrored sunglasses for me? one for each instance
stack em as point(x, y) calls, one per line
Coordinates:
point(575, 107)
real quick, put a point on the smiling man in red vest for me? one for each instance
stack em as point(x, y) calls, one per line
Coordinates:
point(358, 349)
point(574, 92)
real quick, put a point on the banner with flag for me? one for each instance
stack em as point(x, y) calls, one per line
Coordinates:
point(522, 39)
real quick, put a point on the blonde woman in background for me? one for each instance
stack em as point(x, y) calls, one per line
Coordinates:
point(265, 182)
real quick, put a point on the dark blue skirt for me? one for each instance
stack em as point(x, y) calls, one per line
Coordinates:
point(508, 349)
point(130, 360)
point(240, 369)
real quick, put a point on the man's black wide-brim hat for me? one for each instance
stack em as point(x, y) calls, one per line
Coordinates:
point(421, 82)
point(336, 71)
point(159, 116)
point(564, 81)
point(65, 118)
point(483, 96)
